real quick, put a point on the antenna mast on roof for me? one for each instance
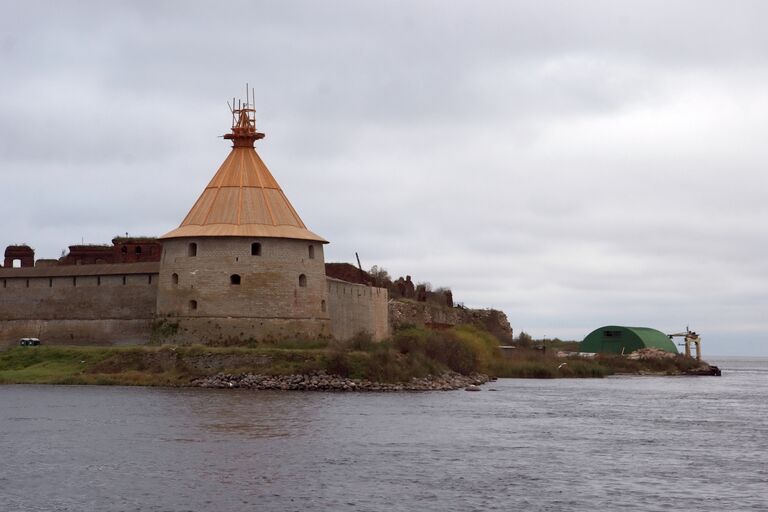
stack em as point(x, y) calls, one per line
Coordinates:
point(244, 120)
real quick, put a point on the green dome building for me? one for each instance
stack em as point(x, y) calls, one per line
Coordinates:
point(616, 339)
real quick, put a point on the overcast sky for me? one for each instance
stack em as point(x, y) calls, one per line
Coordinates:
point(574, 164)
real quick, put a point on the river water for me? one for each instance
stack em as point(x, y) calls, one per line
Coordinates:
point(622, 443)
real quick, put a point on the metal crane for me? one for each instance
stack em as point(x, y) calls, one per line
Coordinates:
point(690, 337)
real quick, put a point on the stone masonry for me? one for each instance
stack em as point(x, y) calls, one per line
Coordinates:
point(93, 304)
point(356, 308)
point(220, 290)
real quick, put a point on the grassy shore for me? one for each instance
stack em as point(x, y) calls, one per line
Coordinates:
point(147, 366)
point(534, 364)
point(409, 353)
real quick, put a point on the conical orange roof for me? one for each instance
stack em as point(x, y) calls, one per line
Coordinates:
point(243, 198)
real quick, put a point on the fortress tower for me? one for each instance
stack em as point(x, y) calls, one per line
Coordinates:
point(242, 265)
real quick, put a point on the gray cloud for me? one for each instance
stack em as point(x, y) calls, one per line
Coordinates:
point(575, 164)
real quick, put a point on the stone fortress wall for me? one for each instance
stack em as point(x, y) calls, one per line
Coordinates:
point(108, 304)
point(133, 303)
point(356, 308)
point(88, 304)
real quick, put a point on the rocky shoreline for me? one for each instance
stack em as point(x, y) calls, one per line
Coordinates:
point(323, 382)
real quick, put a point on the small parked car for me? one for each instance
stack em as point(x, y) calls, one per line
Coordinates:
point(29, 342)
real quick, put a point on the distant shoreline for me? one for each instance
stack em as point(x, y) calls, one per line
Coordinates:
point(321, 367)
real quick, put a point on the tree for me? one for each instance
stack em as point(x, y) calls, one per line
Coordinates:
point(380, 276)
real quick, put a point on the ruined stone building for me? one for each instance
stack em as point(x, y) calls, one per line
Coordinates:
point(241, 266)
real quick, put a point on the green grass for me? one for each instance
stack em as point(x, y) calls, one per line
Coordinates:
point(47, 364)
point(143, 365)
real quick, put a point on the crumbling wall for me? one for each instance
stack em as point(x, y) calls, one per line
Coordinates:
point(403, 313)
point(24, 253)
point(122, 250)
point(356, 308)
point(347, 272)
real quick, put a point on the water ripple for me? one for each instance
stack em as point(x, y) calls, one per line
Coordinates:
point(650, 444)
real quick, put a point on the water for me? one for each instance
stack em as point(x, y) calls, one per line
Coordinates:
point(640, 443)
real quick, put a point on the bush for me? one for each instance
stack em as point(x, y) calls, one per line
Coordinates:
point(484, 345)
point(454, 353)
point(385, 366)
point(363, 340)
point(463, 349)
point(338, 363)
point(411, 340)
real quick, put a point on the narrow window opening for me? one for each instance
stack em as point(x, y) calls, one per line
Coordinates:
point(303, 280)
point(234, 279)
point(74, 281)
point(192, 305)
point(50, 283)
point(5, 283)
point(175, 278)
point(27, 283)
point(322, 306)
point(149, 279)
point(311, 252)
point(125, 280)
point(138, 249)
point(255, 249)
point(192, 249)
point(98, 280)
point(16, 264)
